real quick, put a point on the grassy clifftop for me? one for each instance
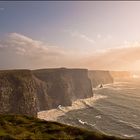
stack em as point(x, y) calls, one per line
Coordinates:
point(24, 127)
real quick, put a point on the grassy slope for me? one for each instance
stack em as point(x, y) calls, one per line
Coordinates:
point(24, 127)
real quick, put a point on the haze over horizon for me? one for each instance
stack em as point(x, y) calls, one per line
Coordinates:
point(95, 35)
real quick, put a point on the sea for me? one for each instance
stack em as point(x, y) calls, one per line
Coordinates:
point(113, 110)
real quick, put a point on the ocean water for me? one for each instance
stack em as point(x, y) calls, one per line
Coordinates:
point(113, 110)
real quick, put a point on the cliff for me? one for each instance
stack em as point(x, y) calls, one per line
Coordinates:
point(17, 92)
point(121, 75)
point(27, 92)
point(65, 85)
point(99, 77)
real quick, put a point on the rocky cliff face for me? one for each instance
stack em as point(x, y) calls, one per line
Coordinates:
point(121, 75)
point(100, 77)
point(65, 85)
point(17, 92)
point(27, 92)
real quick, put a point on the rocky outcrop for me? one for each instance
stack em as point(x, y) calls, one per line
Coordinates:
point(65, 85)
point(98, 77)
point(27, 92)
point(17, 92)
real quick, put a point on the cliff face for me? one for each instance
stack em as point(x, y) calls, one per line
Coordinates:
point(27, 92)
point(100, 77)
point(121, 75)
point(65, 85)
point(17, 92)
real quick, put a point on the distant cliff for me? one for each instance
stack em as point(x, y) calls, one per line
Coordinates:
point(100, 77)
point(27, 92)
point(121, 75)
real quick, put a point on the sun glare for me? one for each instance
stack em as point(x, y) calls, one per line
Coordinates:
point(135, 76)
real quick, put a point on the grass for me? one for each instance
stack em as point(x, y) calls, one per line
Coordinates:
point(24, 127)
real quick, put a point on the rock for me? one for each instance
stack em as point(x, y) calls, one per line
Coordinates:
point(17, 92)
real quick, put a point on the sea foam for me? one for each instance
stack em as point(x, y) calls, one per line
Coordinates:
point(53, 114)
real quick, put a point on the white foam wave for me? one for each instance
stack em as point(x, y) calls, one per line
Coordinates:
point(112, 86)
point(98, 88)
point(82, 122)
point(92, 125)
point(130, 124)
point(53, 114)
point(85, 123)
point(128, 136)
point(98, 117)
point(117, 86)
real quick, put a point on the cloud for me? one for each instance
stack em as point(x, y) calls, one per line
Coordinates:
point(104, 38)
point(108, 38)
point(81, 36)
point(19, 51)
point(120, 58)
point(99, 36)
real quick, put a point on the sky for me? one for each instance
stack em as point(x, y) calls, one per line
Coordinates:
point(94, 35)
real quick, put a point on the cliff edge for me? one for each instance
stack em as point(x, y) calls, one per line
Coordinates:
point(98, 77)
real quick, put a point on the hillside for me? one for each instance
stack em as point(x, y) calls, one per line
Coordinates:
point(24, 127)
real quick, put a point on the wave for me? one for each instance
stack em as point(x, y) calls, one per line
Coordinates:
point(119, 86)
point(98, 117)
point(130, 124)
point(135, 129)
point(129, 136)
point(91, 125)
point(113, 86)
point(114, 112)
point(53, 114)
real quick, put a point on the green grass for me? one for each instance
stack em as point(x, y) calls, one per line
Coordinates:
point(24, 127)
